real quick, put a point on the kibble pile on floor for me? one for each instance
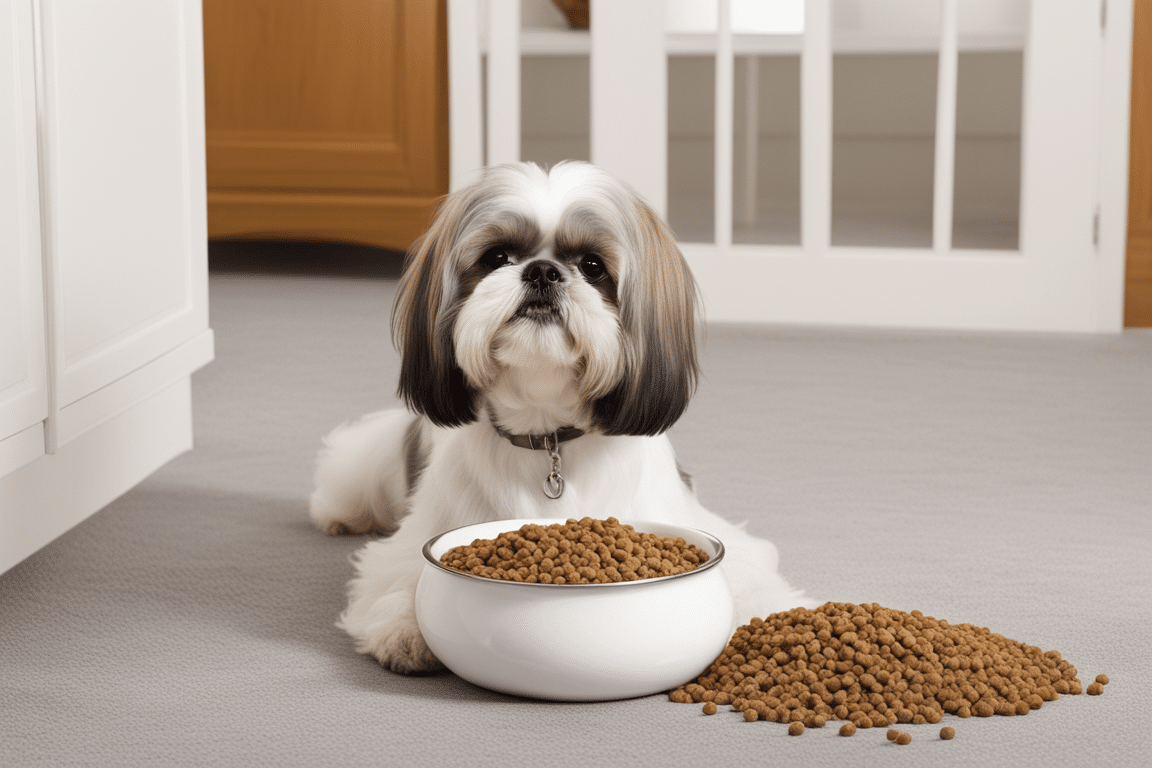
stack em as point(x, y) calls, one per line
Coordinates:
point(876, 667)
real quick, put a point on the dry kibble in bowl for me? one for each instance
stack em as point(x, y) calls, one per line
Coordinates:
point(848, 729)
point(947, 733)
point(796, 729)
point(903, 738)
point(1102, 679)
point(1095, 689)
point(583, 551)
point(877, 667)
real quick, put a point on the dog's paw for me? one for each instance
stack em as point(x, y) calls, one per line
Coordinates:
point(332, 528)
point(386, 629)
point(401, 648)
point(334, 521)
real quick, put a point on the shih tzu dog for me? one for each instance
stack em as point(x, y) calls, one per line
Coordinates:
point(547, 326)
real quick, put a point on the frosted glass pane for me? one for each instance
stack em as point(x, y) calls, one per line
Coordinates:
point(766, 151)
point(989, 106)
point(887, 18)
point(692, 147)
point(883, 149)
point(554, 109)
point(777, 17)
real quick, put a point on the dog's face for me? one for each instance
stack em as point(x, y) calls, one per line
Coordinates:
point(562, 281)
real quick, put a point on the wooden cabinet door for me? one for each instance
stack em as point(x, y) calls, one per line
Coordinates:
point(1138, 288)
point(326, 119)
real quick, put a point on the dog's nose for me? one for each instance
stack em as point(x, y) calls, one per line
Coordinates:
point(542, 274)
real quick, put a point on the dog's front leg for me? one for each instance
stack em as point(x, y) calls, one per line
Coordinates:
point(381, 613)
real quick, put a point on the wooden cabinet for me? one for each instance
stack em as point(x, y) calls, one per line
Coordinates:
point(326, 119)
point(102, 225)
point(1138, 275)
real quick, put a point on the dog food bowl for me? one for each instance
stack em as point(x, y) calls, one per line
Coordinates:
point(575, 642)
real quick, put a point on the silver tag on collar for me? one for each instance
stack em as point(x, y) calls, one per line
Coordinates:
point(554, 483)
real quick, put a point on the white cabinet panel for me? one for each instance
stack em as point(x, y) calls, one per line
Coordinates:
point(23, 379)
point(103, 253)
point(124, 177)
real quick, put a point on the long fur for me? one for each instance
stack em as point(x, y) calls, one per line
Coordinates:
point(484, 341)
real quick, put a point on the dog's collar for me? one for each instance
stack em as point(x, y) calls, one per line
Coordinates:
point(539, 442)
point(554, 482)
point(536, 442)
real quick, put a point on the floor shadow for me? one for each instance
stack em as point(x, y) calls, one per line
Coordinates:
point(303, 259)
point(243, 570)
point(249, 569)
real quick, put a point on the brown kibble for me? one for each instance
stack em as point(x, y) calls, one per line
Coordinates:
point(876, 667)
point(751, 715)
point(947, 733)
point(796, 729)
point(848, 729)
point(574, 552)
point(709, 708)
point(892, 734)
point(904, 738)
point(1095, 689)
point(1102, 679)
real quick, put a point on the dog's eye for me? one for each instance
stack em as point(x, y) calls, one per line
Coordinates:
point(592, 267)
point(494, 258)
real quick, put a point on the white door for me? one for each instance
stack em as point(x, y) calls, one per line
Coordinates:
point(852, 164)
point(23, 376)
point(124, 180)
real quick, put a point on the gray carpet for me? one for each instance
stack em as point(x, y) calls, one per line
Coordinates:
point(1000, 480)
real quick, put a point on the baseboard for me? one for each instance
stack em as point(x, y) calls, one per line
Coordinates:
point(47, 497)
point(21, 448)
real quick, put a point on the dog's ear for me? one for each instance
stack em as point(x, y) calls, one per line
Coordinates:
point(431, 382)
point(658, 306)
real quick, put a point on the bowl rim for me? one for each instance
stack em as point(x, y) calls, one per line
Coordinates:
point(426, 550)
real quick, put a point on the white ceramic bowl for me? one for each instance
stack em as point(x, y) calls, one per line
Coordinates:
point(575, 642)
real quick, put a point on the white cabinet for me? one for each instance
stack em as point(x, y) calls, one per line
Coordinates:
point(103, 253)
point(23, 372)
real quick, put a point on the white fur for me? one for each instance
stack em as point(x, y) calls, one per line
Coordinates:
point(535, 378)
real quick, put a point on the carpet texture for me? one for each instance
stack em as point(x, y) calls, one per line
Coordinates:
point(1002, 480)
